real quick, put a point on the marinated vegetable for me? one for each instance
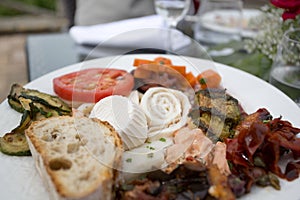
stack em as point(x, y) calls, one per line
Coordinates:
point(34, 105)
point(187, 181)
point(18, 92)
point(217, 113)
point(14, 144)
point(260, 145)
point(161, 70)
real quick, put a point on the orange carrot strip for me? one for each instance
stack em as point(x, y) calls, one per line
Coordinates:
point(137, 62)
point(191, 79)
point(180, 69)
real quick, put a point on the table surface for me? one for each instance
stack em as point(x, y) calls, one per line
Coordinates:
point(48, 52)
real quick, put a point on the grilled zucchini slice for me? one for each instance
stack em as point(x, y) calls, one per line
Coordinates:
point(17, 93)
point(38, 110)
point(47, 100)
point(34, 105)
point(15, 104)
point(14, 144)
point(13, 97)
point(24, 124)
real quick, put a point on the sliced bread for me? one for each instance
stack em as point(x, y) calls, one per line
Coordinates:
point(76, 157)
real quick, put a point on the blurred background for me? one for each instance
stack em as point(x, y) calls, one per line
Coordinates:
point(21, 18)
point(18, 19)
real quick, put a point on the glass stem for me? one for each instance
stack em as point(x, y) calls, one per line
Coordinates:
point(171, 27)
point(169, 40)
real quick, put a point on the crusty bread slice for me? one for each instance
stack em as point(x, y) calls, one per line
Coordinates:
point(76, 157)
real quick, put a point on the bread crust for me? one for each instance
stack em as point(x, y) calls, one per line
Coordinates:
point(41, 149)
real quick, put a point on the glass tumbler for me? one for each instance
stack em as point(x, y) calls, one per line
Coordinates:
point(219, 21)
point(285, 71)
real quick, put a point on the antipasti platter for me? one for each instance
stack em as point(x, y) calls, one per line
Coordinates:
point(20, 179)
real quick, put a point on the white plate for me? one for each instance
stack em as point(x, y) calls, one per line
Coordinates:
point(223, 20)
point(20, 180)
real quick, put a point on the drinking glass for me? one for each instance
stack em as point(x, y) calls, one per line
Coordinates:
point(285, 71)
point(219, 21)
point(172, 12)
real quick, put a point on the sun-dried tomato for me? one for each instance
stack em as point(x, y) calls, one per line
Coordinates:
point(261, 138)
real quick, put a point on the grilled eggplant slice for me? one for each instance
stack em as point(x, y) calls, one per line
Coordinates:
point(217, 113)
point(219, 102)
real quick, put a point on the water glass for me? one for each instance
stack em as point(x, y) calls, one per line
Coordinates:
point(172, 11)
point(219, 21)
point(285, 71)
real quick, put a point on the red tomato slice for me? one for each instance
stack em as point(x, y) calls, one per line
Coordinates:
point(91, 85)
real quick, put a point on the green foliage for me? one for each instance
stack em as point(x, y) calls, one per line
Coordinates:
point(254, 63)
point(272, 28)
point(48, 4)
point(7, 12)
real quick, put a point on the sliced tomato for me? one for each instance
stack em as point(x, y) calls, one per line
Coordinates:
point(91, 85)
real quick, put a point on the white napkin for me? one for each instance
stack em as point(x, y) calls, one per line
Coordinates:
point(143, 32)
